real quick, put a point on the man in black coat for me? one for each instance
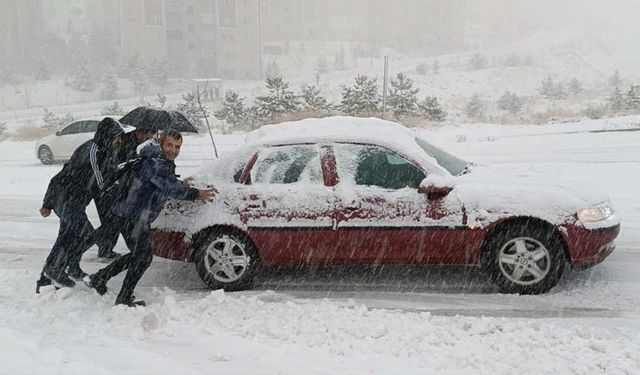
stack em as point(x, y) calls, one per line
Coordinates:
point(107, 234)
point(69, 193)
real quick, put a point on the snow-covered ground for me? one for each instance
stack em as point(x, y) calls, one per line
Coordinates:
point(391, 321)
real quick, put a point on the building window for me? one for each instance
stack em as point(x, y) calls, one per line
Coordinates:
point(227, 13)
point(153, 13)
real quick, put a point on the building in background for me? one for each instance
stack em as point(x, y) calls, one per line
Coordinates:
point(20, 30)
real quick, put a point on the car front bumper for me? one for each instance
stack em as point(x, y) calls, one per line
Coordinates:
point(590, 244)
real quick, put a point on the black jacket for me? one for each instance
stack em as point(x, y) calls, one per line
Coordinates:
point(128, 149)
point(91, 167)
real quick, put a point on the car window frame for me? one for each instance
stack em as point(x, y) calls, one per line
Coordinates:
point(66, 131)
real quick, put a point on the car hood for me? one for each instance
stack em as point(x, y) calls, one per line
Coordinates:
point(490, 192)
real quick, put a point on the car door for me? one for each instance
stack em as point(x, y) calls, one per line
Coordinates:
point(382, 218)
point(66, 140)
point(288, 209)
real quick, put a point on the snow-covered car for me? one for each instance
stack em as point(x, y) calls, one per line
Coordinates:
point(347, 191)
point(61, 145)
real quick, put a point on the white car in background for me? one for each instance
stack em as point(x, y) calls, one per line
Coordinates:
point(61, 145)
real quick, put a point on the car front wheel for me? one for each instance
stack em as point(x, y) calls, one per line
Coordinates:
point(525, 259)
point(45, 155)
point(226, 260)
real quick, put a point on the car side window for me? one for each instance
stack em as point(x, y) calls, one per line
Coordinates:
point(288, 164)
point(375, 166)
point(90, 126)
point(72, 129)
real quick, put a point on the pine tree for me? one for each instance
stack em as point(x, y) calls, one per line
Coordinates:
point(233, 110)
point(575, 86)
point(161, 99)
point(632, 100)
point(191, 109)
point(478, 61)
point(313, 100)
point(510, 102)
point(50, 121)
point(435, 67)
point(615, 79)
point(402, 96)
point(112, 110)
point(109, 86)
point(272, 70)
point(279, 101)
point(431, 109)
point(3, 127)
point(476, 107)
point(617, 100)
point(547, 87)
point(559, 92)
point(362, 97)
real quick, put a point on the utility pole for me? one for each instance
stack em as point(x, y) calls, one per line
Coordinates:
point(384, 87)
point(259, 40)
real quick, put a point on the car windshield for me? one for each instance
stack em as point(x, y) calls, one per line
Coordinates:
point(452, 164)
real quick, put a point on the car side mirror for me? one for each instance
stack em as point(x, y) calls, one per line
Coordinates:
point(435, 192)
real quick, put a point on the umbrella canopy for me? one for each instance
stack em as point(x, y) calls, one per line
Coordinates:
point(154, 119)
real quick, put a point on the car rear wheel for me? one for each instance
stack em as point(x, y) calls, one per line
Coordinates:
point(226, 260)
point(525, 259)
point(45, 155)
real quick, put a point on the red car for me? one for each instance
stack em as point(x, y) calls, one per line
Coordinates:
point(350, 191)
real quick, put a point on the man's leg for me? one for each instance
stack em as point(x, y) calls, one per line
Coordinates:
point(120, 264)
point(141, 256)
point(107, 234)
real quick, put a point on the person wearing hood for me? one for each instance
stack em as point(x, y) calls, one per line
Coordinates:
point(153, 183)
point(69, 193)
point(107, 233)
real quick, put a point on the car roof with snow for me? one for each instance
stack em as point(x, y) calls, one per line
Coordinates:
point(343, 129)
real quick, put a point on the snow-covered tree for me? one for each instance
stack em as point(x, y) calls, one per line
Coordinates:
point(139, 80)
point(3, 127)
point(421, 69)
point(510, 102)
point(279, 101)
point(478, 61)
point(161, 99)
point(272, 69)
point(112, 110)
point(362, 97)
point(109, 86)
point(575, 87)
point(233, 110)
point(430, 108)
point(476, 107)
point(547, 87)
point(191, 109)
point(53, 122)
point(596, 111)
point(632, 99)
point(312, 98)
point(402, 96)
point(615, 79)
point(617, 101)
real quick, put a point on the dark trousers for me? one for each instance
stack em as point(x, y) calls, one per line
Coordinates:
point(136, 234)
point(107, 233)
point(75, 236)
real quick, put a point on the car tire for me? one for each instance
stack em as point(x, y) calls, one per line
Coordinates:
point(45, 155)
point(226, 259)
point(524, 259)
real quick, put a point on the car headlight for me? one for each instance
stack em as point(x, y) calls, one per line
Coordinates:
point(596, 213)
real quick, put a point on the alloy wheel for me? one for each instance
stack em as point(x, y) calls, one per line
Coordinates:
point(226, 259)
point(524, 261)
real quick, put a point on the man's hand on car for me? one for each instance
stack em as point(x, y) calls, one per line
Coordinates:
point(45, 212)
point(206, 195)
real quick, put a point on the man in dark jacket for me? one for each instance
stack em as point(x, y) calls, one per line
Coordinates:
point(68, 194)
point(107, 234)
point(154, 183)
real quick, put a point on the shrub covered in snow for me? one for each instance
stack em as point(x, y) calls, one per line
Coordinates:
point(112, 110)
point(402, 96)
point(361, 98)
point(233, 109)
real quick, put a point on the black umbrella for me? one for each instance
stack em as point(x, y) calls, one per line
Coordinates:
point(154, 119)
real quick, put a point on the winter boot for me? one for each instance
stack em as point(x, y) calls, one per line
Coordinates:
point(60, 281)
point(43, 281)
point(98, 284)
point(130, 301)
point(76, 273)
